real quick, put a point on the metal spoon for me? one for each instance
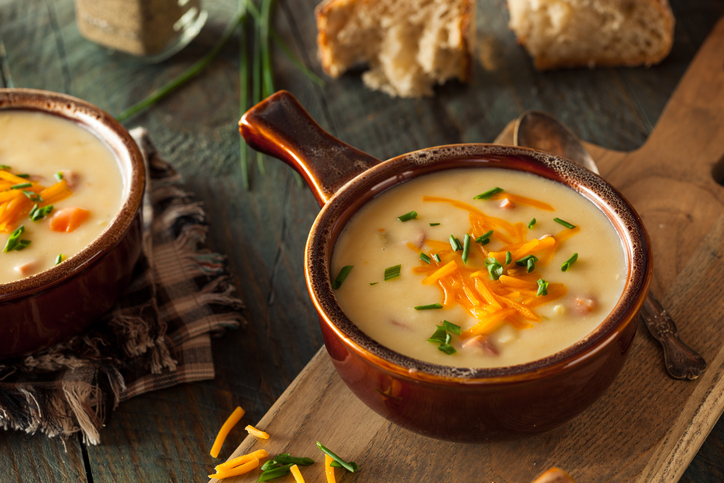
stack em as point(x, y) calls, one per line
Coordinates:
point(538, 130)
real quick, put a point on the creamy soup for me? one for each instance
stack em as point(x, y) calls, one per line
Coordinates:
point(503, 300)
point(47, 161)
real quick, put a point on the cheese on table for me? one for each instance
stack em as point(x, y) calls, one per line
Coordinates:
point(506, 294)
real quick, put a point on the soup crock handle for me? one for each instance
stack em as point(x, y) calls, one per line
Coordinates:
point(280, 127)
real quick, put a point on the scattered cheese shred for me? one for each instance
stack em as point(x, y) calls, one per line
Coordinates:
point(230, 422)
point(239, 460)
point(297, 474)
point(255, 432)
point(239, 470)
point(329, 469)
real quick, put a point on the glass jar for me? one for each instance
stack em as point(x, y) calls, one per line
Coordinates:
point(150, 29)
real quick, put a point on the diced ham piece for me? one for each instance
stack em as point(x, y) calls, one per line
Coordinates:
point(419, 239)
point(507, 204)
point(27, 268)
point(584, 305)
point(71, 178)
point(482, 344)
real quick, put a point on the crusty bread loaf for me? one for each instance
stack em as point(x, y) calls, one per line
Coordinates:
point(410, 45)
point(571, 33)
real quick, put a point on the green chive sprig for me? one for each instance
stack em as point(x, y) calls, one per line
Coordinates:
point(567, 264)
point(40, 213)
point(484, 239)
point(542, 288)
point(564, 223)
point(455, 243)
point(59, 258)
point(275, 472)
point(488, 194)
point(341, 276)
point(434, 224)
point(508, 258)
point(424, 258)
point(466, 247)
point(5, 166)
point(450, 327)
point(33, 196)
point(436, 257)
point(428, 307)
point(495, 269)
point(442, 337)
point(345, 465)
point(14, 242)
point(528, 262)
point(531, 223)
point(408, 216)
point(392, 272)
point(20, 186)
point(59, 176)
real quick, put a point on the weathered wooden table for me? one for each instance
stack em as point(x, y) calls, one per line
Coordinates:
point(166, 435)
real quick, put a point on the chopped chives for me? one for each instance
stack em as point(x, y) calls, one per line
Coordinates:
point(392, 272)
point(13, 239)
point(33, 196)
point(495, 269)
point(542, 288)
point(455, 243)
point(569, 262)
point(24, 175)
point(22, 245)
point(342, 275)
point(450, 327)
point(440, 335)
point(484, 239)
point(275, 472)
point(428, 307)
point(59, 258)
point(374, 283)
point(21, 186)
point(508, 258)
point(59, 176)
point(436, 257)
point(408, 216)
point(4, 166)
point(528, 261)
point(466, 247)
point(434, 224)
point(564, 223)
point(447, 349)
point(336, 458)
point(488, 194)
point(351, 463)
point(531, 223)
point(39, 213)
point(424, 258)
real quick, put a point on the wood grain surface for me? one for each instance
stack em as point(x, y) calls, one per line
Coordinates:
point(165, 436)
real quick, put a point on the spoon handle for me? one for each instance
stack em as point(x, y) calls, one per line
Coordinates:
point(682, 362)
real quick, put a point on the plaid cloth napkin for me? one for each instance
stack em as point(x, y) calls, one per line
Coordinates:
point(156, 336)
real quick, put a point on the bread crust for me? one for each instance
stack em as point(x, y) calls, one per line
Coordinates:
point(326, 10)
point(542, 62)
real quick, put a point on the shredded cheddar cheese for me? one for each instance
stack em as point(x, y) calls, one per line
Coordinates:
point(230, 422)
point(255, 432)
point(239, 460)
point(236, 471)
point(329, 469)
point(15, 204)
point(297, 474)
point(510, 299)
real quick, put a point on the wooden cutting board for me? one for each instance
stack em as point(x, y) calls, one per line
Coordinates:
point(647, 427)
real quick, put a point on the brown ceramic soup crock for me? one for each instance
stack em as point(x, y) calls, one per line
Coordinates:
point(451, 403)
point(53, 305)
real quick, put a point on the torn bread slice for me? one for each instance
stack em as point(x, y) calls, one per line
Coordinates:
point(572, 33)
point(409, 45)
